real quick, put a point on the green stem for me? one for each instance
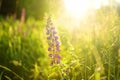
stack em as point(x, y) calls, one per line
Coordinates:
point(109, 66)
point(11, 72)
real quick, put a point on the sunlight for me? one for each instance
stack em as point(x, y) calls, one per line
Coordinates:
point(76, 7)
point(105, 2)
point(98, 3)
point(118, 1)
point(79, 8)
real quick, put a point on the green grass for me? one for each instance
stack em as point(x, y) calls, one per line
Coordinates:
point(91, 52)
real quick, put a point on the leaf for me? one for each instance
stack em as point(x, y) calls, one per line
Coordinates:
point(97, 76)
point(17, 63)
point(11, 71)
point(1, 75)
point(91, 76)
point(8, 78)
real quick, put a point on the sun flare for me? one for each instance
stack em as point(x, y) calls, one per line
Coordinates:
point(79, 8)
point(76, 7)
point(118, 1)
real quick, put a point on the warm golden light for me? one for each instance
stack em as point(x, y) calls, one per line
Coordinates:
point(76, 7)
point(118, 1)
point(79, 8)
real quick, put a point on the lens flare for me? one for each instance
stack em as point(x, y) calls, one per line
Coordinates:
point(76, 7)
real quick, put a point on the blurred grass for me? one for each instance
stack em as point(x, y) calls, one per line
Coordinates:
point(91, 52)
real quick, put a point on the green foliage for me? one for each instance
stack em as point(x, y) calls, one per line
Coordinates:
point(20, 46)
point(40, 7)
point(91, 52)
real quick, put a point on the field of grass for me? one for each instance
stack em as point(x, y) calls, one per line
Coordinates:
point(88, 52)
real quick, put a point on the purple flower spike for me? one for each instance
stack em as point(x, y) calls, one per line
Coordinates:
point(53, 28)
point(56, 37)
point(59, 56)
point(58, 49)
point(55, 55)
point(50, 55)
point(49, 49)
point(57, 42)
point(58, 60)
point(57, 45)
point(54, 44)
point(54, 32)
point(49, 37)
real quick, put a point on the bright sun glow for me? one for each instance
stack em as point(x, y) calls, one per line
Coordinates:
point(79, 8)
point(118, 1)
point(76, 7)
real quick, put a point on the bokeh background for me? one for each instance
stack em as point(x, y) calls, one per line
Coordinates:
point(89, 36)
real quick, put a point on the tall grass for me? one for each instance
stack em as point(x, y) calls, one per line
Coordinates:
point(91, 52)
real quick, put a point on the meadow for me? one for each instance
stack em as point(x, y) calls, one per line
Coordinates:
point(90, 51)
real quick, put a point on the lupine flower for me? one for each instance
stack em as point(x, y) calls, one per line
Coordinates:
point(54, 44)
point(49, 49)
